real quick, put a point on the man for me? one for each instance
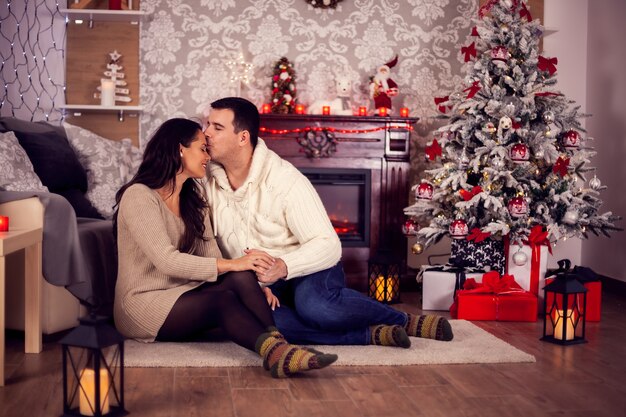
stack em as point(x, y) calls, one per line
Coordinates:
point(260, 201)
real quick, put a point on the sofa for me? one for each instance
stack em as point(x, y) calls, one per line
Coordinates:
point(63, 179)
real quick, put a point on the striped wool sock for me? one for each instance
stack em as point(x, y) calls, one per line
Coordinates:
point(384, 335)
point(274, 332)
point(285, 360)
point(428, 326)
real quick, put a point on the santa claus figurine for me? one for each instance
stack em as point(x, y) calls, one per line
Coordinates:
point(382, 88)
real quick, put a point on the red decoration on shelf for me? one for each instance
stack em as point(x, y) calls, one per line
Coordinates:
point(424, 191)
point(299, 108)
point(410, 228)
point(458, 229)
point(469, 51)
point(571, 140)
point(362, 111)
point(468, 195)
point(439, 100)
point(561, 165)
point(433, 150)
point(519, 153)
point(547, 64)
point(266, 108)
point(472, 90)
point(382, 111)
point(518, 207)
point(326, 110)
point(478, 236)
point(264, 129)
point(4, 224)
point(404, 112)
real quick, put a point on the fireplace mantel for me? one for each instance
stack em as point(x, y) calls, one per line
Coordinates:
point(379, 144)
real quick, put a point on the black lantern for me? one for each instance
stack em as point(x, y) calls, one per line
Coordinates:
point(384, 277)
point(565, 302)
point(93, 369)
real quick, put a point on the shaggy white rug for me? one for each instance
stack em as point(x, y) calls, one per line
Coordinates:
point(471, 344)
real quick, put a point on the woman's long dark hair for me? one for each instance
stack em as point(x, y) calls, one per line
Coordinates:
point(161, 162)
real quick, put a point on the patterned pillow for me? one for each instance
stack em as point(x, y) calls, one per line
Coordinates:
point(16, 170)
point(109, 165)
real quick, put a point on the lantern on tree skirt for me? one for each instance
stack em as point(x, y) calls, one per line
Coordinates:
point(424, 191)
point(518, 207)
point(410, 228)
point(458, 229)
point(571, 140)
point(283, 87)
point(519, 153)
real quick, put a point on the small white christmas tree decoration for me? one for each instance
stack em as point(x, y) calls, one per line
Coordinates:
point(240, 72)
point(111, 89)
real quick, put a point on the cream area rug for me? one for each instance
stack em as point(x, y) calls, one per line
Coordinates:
point(471, 344)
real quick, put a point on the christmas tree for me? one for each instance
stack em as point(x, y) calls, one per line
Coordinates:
point(283, 87)
point(513, 154)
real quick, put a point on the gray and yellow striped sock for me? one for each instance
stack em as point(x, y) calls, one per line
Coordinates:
point(428, 326)
point(385, 335)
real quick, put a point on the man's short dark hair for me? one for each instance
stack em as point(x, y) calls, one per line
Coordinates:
point(246, 115)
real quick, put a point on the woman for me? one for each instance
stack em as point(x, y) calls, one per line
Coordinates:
point(172, 280)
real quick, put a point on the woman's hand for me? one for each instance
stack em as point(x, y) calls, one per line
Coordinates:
point(255, 260)
point(272, 300)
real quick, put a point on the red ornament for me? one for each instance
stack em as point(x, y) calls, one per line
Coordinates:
point(424, 191)
point(518, 207)
point(499, 53)
point(468, 195)
point(571, 140)
point(410, 228)
point(458, 229)
point(519, 153)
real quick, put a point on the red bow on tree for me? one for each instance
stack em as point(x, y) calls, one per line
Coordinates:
point(516, 125)
point(547, 64)
point(524, 13)
point(477, 235)
point(474, 31)
point(433, 150)
point(439, 100)
point(538, 237)
point(469, 51)
point(560, 167)
point(468, 195)
point(546, 94)
point(472, 90)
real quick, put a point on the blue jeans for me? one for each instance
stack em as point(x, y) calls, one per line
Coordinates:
point(319, 309)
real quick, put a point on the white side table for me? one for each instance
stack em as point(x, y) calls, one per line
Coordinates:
point(30, 240)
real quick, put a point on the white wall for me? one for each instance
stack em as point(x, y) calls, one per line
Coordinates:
point(606, 100)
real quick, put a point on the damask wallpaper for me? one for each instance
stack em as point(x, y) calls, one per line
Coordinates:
point(192, 51)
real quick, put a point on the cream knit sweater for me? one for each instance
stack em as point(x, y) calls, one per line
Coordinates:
point(276, 210)
point(152, 273)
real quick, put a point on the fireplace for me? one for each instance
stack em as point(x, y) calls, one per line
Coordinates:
point(346, 197)
point(359, 165)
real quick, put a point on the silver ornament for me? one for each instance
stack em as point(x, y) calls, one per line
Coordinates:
point(498, 163)
point(595, 183)
point(570, 217)
point(548, 117)
point(464, 160)
point(520, 258)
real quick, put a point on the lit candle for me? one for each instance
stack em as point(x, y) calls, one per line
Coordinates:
point(382, 111)
point(107, 92)
point(266, 109)
point(362, 111)
point(4, 224)
point(569, 325)
point(404, 112)
point(87, 398)
point(381, 284)
point(325, 110)
point(299, 108)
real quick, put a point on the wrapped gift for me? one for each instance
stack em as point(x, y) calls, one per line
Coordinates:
point(439, 283)
point(487, 254)
point(592, 283)
point(531, 274)
point(496, 298)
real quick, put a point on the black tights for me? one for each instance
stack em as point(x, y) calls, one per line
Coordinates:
point(235, 303)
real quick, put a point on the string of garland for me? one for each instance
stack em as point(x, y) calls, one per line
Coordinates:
point(264, 129)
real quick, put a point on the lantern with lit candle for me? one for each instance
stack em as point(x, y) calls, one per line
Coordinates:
point(266, 108)
point(93, 369)
point(404, 112)
point(382, 111)
point(326, 110)
point(362, 111)
point(299, 108)
point(565, 302)
point(4, 224)
point(384, 278)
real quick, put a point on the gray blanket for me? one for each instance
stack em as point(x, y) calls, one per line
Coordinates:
point(78, 254)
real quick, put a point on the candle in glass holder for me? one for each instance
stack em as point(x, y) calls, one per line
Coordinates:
point(266, 108)
point(87, 395)
point(404, 112)
point(566, 315)
point(4, 224)
point(299, 108)
point(326, 110)
point(384, 289)
point(107, 92)
point(382, 111)
point(362, 111)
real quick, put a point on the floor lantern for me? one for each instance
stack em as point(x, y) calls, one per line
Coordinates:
point(384, 277)
point(93, 369)
point(565, 301)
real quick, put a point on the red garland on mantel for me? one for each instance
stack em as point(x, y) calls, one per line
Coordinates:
point(263, 129)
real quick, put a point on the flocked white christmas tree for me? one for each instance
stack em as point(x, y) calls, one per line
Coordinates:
point(513, 154)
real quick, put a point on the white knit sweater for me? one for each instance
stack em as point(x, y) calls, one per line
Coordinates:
point(276, 210)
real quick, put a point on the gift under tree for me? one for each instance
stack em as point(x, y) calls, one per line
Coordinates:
point(512, 162)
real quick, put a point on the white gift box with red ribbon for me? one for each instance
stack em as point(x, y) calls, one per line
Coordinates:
point(531, 275)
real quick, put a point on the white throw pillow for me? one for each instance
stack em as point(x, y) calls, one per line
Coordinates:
point(109, 165)
point(16, 170)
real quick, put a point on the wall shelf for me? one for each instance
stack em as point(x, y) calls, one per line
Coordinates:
point(97, 107)
point(132, 16)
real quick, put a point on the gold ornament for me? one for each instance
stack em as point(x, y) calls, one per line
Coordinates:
point(417, 248)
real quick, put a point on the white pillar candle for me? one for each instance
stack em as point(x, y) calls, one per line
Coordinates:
point(87, 394)
point(107, 92)
point(566, 315)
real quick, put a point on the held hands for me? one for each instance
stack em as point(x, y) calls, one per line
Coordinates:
point(273, 274)
point(255, 260)
point(272, 300)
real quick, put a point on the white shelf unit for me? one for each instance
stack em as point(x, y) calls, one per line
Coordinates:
point(132, 16)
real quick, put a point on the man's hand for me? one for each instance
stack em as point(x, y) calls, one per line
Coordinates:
point(273, 273)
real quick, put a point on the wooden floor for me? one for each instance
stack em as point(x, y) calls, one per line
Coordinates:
point(583, 380)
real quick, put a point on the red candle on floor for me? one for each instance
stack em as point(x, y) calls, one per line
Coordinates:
point(382, 111)
point(266, 108)
point(4, 224)
point(299, 108)
point(326, 110)
point(362, 111)
point(404, 112)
